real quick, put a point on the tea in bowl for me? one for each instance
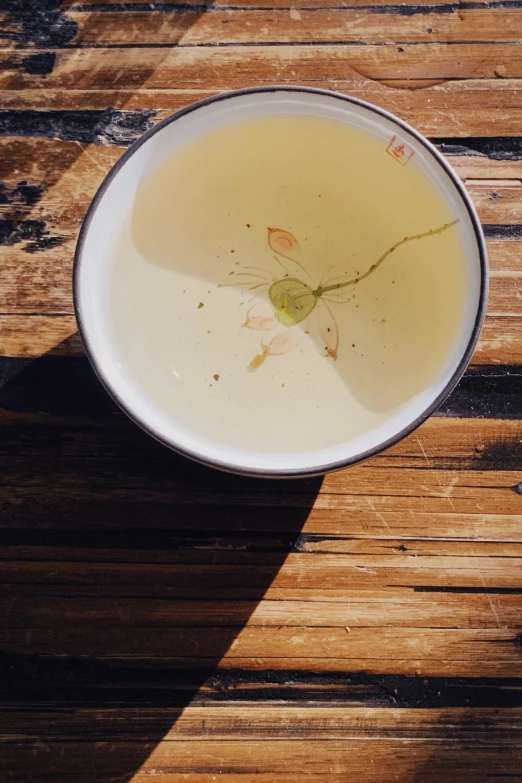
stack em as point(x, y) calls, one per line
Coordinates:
point(280, 281)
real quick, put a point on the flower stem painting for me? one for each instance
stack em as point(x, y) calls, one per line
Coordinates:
point(295, 302)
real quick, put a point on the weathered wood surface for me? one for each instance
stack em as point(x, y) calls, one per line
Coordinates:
point(162, 621)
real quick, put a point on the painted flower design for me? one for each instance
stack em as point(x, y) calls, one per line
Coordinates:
point(295, 306)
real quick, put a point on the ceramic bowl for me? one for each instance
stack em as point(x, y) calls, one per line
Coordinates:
point(106, 217)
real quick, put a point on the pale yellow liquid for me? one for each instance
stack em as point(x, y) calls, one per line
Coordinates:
point(204, 213)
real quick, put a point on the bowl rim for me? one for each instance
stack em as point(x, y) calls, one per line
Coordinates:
point(314, 470)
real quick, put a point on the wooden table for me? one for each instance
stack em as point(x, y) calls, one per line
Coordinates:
point(161, 621)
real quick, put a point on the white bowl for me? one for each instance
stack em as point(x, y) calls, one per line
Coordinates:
point(106, 216)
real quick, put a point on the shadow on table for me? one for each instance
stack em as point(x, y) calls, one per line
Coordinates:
point(128, 573)
point(479, 745)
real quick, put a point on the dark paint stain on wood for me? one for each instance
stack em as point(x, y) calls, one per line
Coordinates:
point(32, 232)
point(465, 590)
point(22, 195)
point(164, 540)
point(39, 64)
point(35, 64)
point(501, 455)
point(135, 682)
point(387, 690)
point(392, 9)
point(23, 6)
point(36, 23)
point(14, 229)
point(495, 148)
point(443, 8)
point(493, 392)
point(107, 127)
point(495, 231)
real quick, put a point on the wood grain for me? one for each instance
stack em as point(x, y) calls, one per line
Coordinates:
point(236, 66)
point(162, 621)
point(461, 107)
point(391, 607)
point(281, 25)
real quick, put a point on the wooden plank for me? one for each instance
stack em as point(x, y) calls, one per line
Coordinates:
point(30, 336)
point(436, 490)
point(505, 296)
point(389, 607)
point(500, 341)
point(497, 204)
point(273, 761)
point(504, 256)
point(384, 6)
point(290, 648)
point(298, 572)
point(250, 680)
point(482, 167)
point(230, 721)
point(217, 68)
point(90, 473)
point(453, 108)
point(287, 25)
point(230, 549)
point(318, 520)
point(337, 758)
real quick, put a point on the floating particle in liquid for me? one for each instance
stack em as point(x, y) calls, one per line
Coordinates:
point(216, 377)
point(248, 225)
point(200, 305)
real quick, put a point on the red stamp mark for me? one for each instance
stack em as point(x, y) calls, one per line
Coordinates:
point(399, 150)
